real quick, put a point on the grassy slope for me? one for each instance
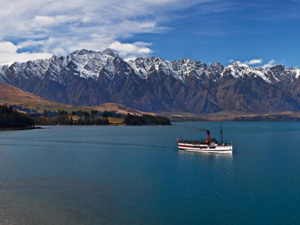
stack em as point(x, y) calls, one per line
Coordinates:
point(119, 109)
point(15, 96)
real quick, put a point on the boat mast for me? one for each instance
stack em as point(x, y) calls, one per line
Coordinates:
point(221, 132)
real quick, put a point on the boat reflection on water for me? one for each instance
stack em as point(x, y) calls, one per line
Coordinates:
point(206, 154)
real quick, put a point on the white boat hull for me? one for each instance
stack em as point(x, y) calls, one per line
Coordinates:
point(199, 148)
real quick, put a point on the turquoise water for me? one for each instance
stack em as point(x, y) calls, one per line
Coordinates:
point(135, 175)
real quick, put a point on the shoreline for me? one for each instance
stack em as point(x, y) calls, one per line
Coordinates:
point(20, 128)
point(39, 128)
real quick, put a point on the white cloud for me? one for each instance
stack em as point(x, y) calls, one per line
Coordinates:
point(7, 47)
point(254, 62)
point(59, 27)
point(131, 51)
point(269, 64)
point(9, 54)
point(40, 22)
point(231, 60)
point(44, 21)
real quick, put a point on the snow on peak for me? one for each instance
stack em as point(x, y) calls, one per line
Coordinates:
point(144, 66)
point(110, 52)
point(3, 77)
point(296, 72)
point(241, 70)
point(239, 64)
point(90, 64)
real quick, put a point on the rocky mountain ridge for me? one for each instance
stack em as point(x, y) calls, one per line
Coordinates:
point(153, 84)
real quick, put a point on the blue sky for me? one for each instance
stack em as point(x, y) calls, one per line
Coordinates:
point(260, 33)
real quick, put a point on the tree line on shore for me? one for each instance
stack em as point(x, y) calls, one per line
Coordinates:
point(11, 118)
point(146, 120)
point(79, 117)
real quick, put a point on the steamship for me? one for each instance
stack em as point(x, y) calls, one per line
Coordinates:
point(209, 145)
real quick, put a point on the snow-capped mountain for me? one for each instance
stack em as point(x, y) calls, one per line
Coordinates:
point(153, 84)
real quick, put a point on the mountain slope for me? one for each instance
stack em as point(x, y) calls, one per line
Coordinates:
point(89, 78)
point(15, 96)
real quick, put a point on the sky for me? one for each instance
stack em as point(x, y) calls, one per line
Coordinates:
point(256, 32)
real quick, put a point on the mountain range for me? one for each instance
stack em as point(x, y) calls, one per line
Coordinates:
point(90, 78)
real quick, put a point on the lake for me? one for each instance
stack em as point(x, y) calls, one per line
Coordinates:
point(136, 175)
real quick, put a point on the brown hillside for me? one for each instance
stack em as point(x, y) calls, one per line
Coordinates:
point(14, 96)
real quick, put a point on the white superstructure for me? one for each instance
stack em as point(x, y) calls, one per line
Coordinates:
point(209, 145)
point(205, 147)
